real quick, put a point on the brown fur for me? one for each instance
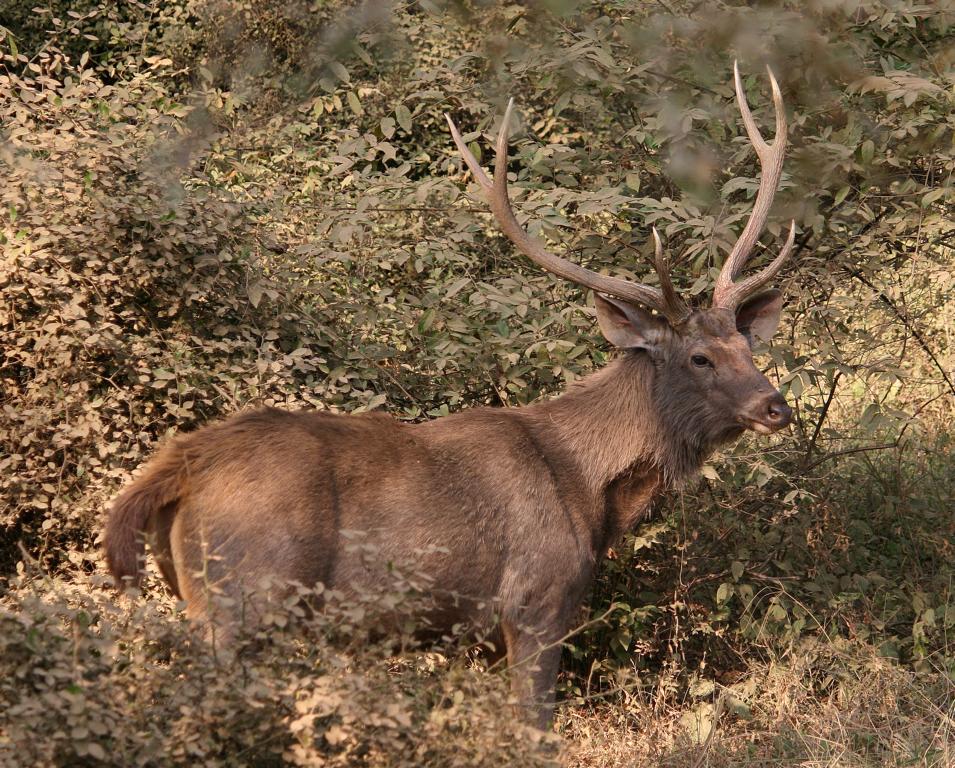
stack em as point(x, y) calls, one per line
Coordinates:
point(510, 507)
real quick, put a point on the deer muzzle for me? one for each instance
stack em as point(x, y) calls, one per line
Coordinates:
point(767, 414)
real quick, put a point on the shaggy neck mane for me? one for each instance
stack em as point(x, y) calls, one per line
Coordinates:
point(615, 420)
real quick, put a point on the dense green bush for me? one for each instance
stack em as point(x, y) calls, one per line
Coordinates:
point(214, 204)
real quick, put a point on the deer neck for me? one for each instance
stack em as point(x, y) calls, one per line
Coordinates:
point(613, 422)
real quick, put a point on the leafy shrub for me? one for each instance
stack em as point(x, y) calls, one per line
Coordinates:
point(135, 685)
point(112, 266)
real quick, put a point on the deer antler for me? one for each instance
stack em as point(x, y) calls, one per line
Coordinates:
point(663, 299)
point(728, 293)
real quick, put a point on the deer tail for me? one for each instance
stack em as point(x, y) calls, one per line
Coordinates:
point(133, 510)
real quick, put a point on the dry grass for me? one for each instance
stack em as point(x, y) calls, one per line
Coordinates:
point(833, 704)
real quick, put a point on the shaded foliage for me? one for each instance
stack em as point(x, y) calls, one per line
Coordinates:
point(120, 685)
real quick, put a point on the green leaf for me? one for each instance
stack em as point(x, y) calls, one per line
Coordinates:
point(255, 292)
point(931, 197)
point(339, 69)
point(456, 286)
point(426, 321)
point(724, 592)
point(403, 116)
point(387, 127)
point(777, 613)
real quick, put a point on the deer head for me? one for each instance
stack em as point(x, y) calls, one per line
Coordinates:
point(706, 384)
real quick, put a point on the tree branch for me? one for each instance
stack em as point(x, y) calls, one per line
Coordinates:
point(822, 415)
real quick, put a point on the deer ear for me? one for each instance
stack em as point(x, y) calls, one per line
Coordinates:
point(625, 325)
point(758, 317)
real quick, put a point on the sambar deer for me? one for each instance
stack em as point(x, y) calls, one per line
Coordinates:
point(512, 507)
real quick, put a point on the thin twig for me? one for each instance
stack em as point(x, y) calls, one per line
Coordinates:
point(846, 451)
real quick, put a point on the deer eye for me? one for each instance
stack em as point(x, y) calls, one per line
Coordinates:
point(701, 360)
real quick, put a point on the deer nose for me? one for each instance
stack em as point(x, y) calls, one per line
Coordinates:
point(778, 413)
point(766, 413)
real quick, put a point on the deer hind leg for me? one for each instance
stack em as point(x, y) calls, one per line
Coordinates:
point(158, 538)
point(229, 576)
point(205, 571)
point(533, 660)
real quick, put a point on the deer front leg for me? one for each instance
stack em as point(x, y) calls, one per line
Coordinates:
point(533, 660)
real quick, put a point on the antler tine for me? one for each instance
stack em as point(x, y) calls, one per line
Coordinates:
point(677, 310)
point(500, 154)
point(496, 194)
point(727, 293)
point(754, 283)
point(475, 167)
